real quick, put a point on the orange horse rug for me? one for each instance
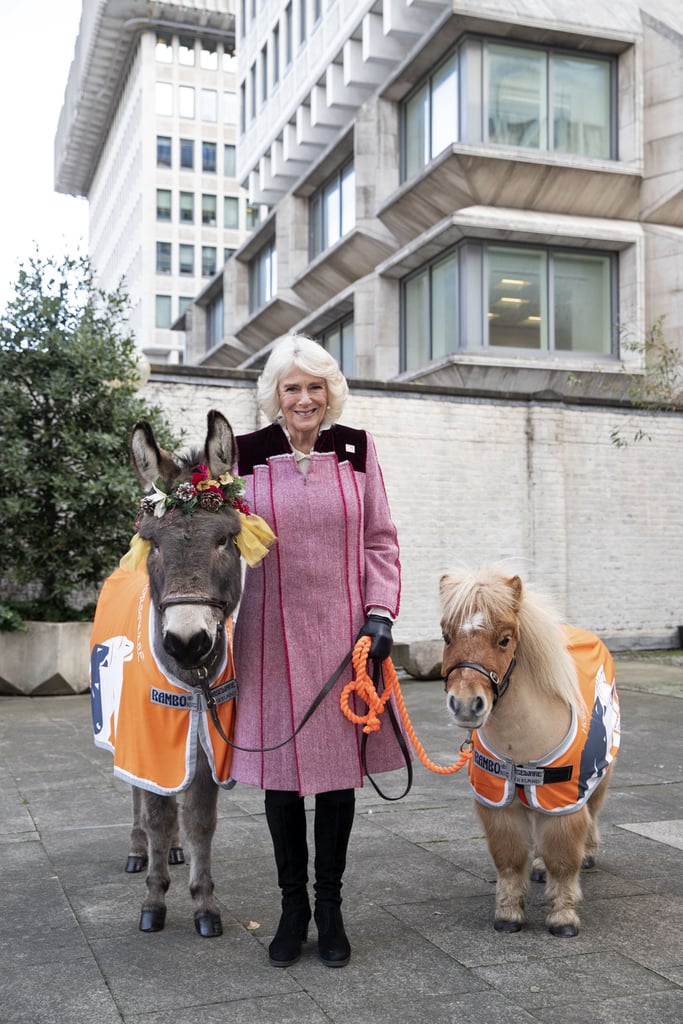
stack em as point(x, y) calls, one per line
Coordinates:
point(563, 780)
point(152, 723)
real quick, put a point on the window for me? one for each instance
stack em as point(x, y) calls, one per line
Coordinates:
point(302, 22)
point(184, 302)
point(339, 342)
point(253, 214)
point(208, 260)
point(252, 91)
point(227, 253)
point(511, 95)
point(208, 57)
point(231, 213)
point(209, 157)
point(431, 117)
point(275, 50)
point(332, 210)
point(230, 61)
point(162, 316)
point(163, 257)
point(243, 108)
point(214, 322)
point(186, 259)
point(186, 100)
point(163, 204)
point(209, 210)
point(522, 298)
point(186, 211)
point(163, 151)
point(209, 101)
point(289, 42)
point(317, 11)
point(164, 99)
point(264, 73)
point(229, 108)
point(263, 276)
point(164, 49)
point(186, 50)
point(187, 154)
point(229, 160)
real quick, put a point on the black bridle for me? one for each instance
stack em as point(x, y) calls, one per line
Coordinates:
point(213, 602)
point(498, 685)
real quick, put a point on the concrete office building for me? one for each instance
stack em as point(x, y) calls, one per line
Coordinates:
point(147, 134)
point(486, 193)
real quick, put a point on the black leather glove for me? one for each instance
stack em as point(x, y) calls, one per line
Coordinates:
point(379, 628)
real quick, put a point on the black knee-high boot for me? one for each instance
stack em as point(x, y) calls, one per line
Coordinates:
point(334, 813)
point(286, 817)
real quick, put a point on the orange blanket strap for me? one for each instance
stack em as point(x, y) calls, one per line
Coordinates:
point(363, 685)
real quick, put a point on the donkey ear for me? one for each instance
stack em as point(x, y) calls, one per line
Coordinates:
point(220, 447)
point(515, 585)
point(149, 460)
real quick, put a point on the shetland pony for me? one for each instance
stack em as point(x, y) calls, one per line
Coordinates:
point(539, 701)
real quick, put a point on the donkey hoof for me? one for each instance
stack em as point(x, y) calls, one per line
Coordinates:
point(564, 931)
point(502, 925)
point(136, 862)
point(208, 925)
point(588, 862)
point(153, 920)
point(538, 875)
point(176, 855)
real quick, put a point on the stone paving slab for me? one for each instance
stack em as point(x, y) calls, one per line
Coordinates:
point(419, 894)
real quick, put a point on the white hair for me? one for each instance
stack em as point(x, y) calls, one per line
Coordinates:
point(296, 351)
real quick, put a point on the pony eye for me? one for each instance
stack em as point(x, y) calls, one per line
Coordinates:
point(504, 642)
point(446, 639)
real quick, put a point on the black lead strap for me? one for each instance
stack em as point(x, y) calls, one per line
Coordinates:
point(378, 679)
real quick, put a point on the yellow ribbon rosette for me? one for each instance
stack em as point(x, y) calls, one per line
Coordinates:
point(255, 539)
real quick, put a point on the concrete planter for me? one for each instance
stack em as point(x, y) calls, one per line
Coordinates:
point(52, 658)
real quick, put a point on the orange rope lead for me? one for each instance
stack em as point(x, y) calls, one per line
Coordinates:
point(363, 685)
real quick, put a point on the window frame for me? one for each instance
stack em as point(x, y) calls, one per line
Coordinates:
point(319, 235)
point(470, 56)
point(263, 276)
point(471, 320)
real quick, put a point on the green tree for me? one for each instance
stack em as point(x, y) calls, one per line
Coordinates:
point(69, 375)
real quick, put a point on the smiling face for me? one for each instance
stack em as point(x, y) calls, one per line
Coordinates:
point(303, 401)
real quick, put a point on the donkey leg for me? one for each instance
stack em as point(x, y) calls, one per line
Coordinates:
point(137, 850)
point(176, 854)
point(199, 819)
point(158, 816)
point(508, 838)
point(562, 841)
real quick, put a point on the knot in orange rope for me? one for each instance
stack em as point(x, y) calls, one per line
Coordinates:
point(363, 685)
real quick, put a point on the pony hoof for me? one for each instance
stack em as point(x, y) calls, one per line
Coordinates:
point(564, 931)
point(208, 925)
point(176, 855)
point(538, 875)
point(588, 862)
point(507, 926)
point(136, 862)
point(153, 920)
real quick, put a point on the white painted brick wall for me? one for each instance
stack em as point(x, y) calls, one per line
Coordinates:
point(537, 486)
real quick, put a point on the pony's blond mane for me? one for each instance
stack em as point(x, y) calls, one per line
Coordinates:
point(541, 653)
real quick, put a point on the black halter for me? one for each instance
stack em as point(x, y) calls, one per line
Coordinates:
point(498, 685)
point(188, 599)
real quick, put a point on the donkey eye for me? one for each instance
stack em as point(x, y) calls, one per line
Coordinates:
point(504, 642)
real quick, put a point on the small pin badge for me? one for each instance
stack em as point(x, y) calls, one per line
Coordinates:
point(351, 448)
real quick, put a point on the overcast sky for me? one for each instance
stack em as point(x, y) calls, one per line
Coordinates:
point(38, 43)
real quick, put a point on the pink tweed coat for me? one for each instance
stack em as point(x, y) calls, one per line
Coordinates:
point(337, 555)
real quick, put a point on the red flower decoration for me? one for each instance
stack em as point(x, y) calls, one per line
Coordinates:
point(200, 473)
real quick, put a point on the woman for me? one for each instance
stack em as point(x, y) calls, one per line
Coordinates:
point(333, 575)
